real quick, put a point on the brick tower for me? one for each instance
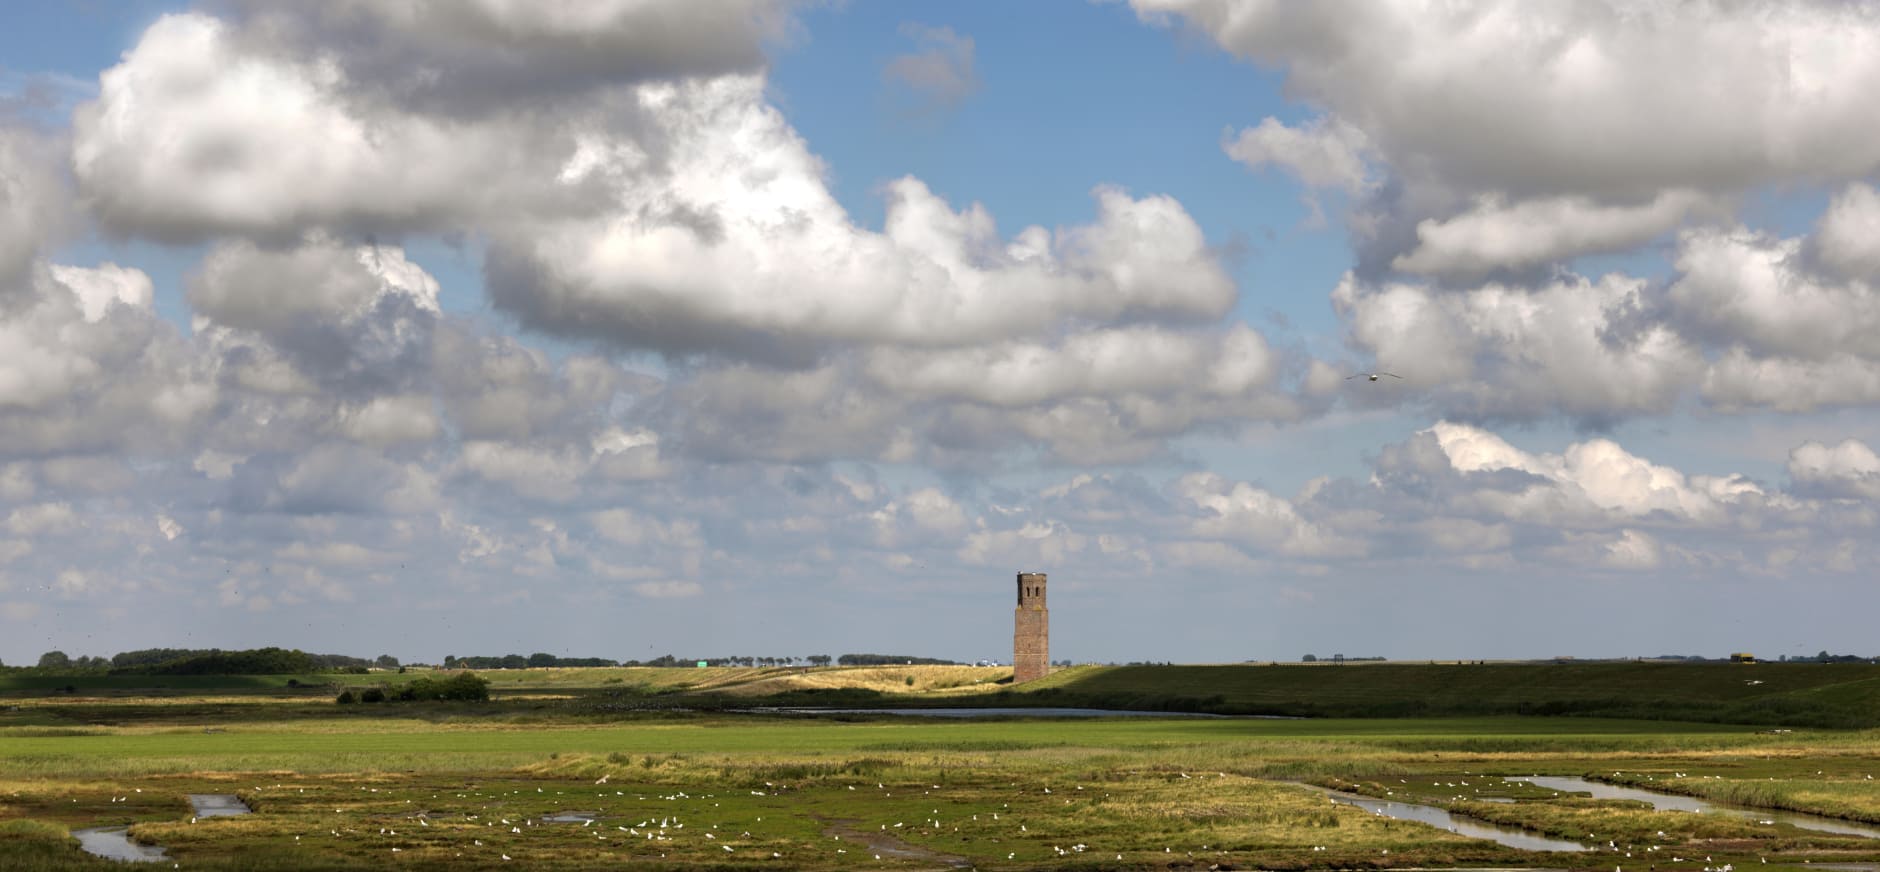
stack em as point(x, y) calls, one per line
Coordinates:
point(1031, 630)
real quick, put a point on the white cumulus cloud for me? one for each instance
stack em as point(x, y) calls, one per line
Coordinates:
point(1495, 234)
point(1323, 153)
point(1571, 347)
point(1848, 469)
point(1573, 98)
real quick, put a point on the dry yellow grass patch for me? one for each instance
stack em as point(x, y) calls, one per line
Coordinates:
point(927, 680)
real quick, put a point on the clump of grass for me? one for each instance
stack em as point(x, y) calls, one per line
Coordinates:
point(32, 846)
point(33, 831)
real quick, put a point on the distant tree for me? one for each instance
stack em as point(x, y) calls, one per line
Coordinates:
point(514, 661)
point(462, 686)
point(1309, 658)
point(58, 660)
point(338, 661)
point(539, 659)
point(468, 686)
point(153, 656)
point(450, 661)
point(386, 661)
point(819, 659)
point(259, 661)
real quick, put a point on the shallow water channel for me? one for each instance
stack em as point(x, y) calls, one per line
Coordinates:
point(1676, 802)
point(114, 843)
point(1513, 837)
point(218, 805)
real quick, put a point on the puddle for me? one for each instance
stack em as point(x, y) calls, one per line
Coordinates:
point(114, 843)
point(1513, 837)
point(218, 805)
point(571, 817)
point(890, 847)
point(1677, 802)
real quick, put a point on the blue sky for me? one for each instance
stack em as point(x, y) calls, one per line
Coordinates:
point(718, 328)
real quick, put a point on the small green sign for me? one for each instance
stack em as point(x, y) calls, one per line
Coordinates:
point(702, 664)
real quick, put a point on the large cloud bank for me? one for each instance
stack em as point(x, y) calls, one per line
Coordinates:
point(1489, 145)
point(730, 387)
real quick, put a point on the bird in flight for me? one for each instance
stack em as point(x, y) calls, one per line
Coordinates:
point(1373, 376)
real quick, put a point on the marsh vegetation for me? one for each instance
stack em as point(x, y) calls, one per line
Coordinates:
point(593, 768)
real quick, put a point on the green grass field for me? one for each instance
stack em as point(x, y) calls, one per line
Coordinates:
point(341, 787)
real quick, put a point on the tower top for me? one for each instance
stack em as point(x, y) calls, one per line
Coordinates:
point(1031, 590)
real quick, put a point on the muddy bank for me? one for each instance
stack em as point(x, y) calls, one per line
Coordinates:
point(890, 847)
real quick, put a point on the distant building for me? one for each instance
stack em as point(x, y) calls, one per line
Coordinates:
point(1031, 630)
point(1742, 657)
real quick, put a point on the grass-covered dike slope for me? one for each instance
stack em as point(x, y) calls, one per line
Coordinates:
point(1812, 695)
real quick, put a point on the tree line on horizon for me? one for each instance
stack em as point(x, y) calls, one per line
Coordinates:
point(541, 660)
point(284, 661)
point(207, 661)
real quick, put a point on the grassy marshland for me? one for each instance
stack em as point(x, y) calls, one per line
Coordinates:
point(343, 786)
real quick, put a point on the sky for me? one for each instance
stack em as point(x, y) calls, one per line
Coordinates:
point(754, 327)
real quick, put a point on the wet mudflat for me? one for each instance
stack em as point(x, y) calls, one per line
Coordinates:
point(888, 847)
